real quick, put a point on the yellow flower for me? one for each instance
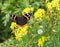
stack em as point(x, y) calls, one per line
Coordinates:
point(49, 6)
point(18, 37)
point(55, 3)
point(18, 30)
point(40, 43)
point(42, 40)
point(13, 24)
point(39, 14)
point(23, 32)
point(58, 7)
point(32, 9)
point(25, 27)
point(27, 10)
point(52, 4)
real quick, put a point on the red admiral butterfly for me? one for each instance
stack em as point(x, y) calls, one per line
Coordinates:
point(21, 20)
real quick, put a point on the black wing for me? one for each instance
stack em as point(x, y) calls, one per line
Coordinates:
point(21, 20)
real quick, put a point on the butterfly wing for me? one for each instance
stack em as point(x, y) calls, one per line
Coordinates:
point(21, 21)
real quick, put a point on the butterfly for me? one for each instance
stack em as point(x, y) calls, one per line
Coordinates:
point(21, 20)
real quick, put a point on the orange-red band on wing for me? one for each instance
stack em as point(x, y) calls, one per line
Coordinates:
point(14, 18)
point(26, 17)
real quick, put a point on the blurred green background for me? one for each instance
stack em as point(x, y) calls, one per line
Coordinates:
point(8, 7)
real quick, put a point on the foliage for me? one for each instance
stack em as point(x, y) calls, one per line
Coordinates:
point(43, 27)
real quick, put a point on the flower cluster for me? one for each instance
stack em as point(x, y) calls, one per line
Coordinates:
point(39, 14)
point(18, 31)
point(27, 10)
point(47, 18)
point(53, 4)
point(42, 40)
